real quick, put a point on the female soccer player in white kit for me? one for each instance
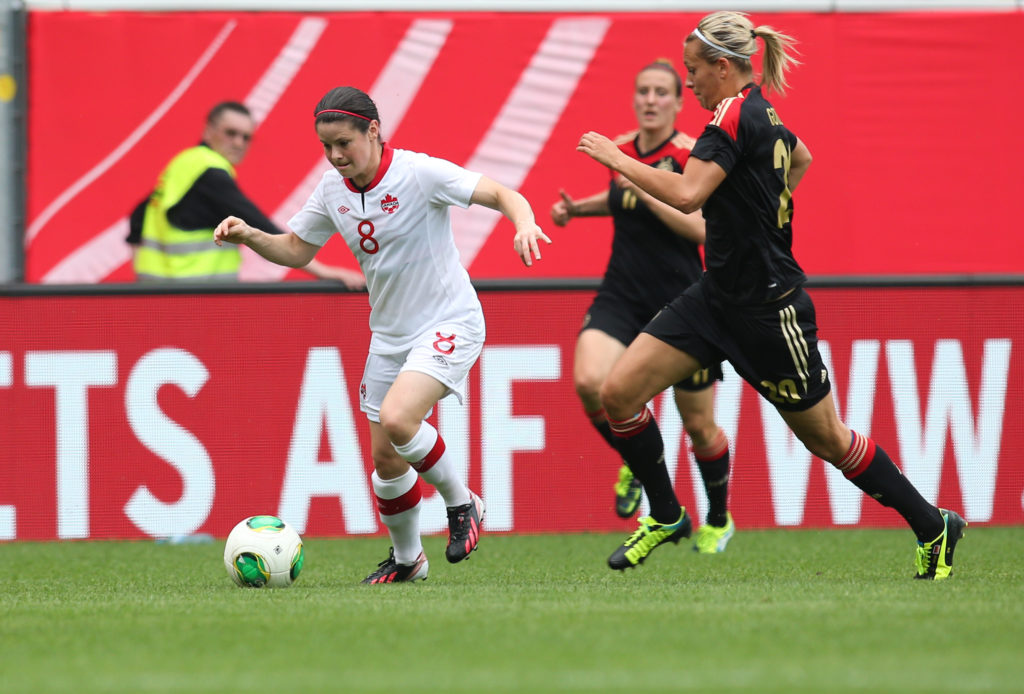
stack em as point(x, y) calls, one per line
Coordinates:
point(391, 208)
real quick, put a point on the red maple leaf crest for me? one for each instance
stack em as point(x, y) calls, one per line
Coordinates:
point(389, 204)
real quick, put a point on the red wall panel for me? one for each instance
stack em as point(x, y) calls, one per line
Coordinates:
point(909, 116)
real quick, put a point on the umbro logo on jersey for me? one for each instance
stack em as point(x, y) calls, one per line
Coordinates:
point(389, 204)
point(343, 209)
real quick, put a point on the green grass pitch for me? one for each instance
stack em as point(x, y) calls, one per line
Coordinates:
point(781, 611)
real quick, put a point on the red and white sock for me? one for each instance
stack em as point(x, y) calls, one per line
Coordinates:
point(426, 453)
point(398, 501)
point(858, 457)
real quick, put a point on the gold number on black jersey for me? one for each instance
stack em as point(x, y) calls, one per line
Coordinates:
point(783, 391)
point(783, 155)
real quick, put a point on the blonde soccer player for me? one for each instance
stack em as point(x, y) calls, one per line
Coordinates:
point(750, 306)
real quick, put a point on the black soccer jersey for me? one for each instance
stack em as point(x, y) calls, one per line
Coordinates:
point(748, 251)
point(650, 264)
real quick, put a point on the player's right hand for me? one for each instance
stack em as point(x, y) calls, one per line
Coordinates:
point(561, 211)
point(599, 148)
point(232, 230)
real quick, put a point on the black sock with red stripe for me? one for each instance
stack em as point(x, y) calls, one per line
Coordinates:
point(600, 422)
point(872, 470)
point(713, 463)
point(638, 439)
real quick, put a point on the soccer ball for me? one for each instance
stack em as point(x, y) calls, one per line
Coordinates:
point(263, 551)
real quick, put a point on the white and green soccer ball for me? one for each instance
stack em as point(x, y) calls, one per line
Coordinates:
point(263, 552)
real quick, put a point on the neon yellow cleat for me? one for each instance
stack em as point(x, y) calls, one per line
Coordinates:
point(934, 559)
point(628, 493)
point(649, 535)
point(711, 539)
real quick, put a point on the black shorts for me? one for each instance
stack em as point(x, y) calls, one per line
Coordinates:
point(615, 318)
point(773, 346)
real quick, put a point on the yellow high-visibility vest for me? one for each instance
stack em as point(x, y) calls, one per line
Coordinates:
point(167, 253)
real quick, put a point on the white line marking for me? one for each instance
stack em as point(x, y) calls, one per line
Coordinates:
point(511, 146)
point(122, 149)
point(104, 253)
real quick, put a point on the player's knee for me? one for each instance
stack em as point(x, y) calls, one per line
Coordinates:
point(700, 427)
point(588, 386)
point(616, 401)
point(398, 425)
point(387, 462)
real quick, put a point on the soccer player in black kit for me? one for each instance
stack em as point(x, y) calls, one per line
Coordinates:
point(655, 256)
point(750, 307)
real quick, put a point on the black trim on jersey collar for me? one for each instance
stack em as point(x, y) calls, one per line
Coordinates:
point(644, 155)
point(386, 155)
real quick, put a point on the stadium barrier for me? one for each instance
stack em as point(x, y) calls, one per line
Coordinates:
point(133, 414)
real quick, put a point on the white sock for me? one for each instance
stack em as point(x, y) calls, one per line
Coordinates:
point(398, 502)
point(426, 453)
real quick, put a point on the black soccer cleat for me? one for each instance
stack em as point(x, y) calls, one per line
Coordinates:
point(464, 523)
point(934, 559)
point(649, 535)
point(628, 493)
point(390, 571)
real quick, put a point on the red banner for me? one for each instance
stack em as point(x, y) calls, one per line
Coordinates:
point(906, 161)
point(136, 416)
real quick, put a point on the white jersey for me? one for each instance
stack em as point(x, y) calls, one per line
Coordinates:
point(400, 231)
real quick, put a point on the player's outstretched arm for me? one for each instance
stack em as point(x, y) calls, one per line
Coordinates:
point(515, 207)
point(567, 207)
point(283, 249)
point(689, 226)
point(687, 191)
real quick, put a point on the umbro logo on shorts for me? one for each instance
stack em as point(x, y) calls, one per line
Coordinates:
point(440, 360)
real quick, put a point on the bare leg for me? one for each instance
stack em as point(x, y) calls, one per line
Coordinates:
point(596, 354)
point(697, 410)
point(648, 367)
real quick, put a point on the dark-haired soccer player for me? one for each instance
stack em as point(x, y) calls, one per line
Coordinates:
point(390, 206)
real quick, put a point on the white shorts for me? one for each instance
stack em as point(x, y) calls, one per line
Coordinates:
point(446, 352)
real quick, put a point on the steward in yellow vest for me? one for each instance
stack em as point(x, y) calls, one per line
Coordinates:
point(185, 251)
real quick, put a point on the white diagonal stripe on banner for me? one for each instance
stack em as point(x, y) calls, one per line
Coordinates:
point(522, 127)
point(395, 88)
point(95, 259)
point(107, 251)
point(264, 96)
point(95, 172)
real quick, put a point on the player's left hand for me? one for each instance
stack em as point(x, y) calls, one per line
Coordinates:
point(525, 243)
point(352, 279)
